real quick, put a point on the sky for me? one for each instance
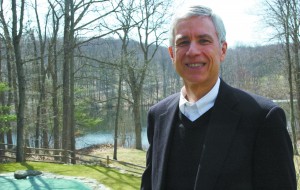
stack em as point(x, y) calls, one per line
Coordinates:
point(242, 23)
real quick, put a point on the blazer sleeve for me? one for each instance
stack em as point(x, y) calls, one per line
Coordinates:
point(273, 166)
point(147, 175)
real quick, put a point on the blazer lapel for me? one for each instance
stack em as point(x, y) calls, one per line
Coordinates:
point(166, 121)
point(218, 139)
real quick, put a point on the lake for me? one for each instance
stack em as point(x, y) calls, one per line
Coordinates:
point(104, 133)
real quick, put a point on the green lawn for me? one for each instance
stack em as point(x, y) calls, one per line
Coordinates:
point(109, 177)
point(297, 168)
point(134, 156)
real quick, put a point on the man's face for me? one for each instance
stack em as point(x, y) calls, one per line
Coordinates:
point(197, 53)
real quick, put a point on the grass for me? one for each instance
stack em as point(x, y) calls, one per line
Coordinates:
point(126, 177)
point(297, 168)
point(124, 156)
point(111, 178)
point(136, 157)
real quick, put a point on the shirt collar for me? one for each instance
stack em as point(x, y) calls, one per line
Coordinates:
point(203, 104)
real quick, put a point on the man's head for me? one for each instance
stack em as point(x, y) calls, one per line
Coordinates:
point(198, 47)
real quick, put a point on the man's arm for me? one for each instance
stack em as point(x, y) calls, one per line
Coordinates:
point(147, 175)
point(273, 156)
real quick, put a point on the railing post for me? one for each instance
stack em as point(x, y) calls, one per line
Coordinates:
point(25, 152)
point(65, 156)
point(2, 151)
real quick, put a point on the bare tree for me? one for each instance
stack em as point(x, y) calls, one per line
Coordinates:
point(2, 101)
point(67, 48)
point(53, 70)
point(75, 24)
point(17, 30)
point(283, 17)
point(124, 17)
point(150, 19)
point(40, 58)
point(10, 64)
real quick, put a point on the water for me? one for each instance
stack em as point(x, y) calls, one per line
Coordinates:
point(108, 138)
point(104, 133)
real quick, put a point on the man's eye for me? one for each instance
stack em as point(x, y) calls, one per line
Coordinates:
point(204, 41)
point(182, 43)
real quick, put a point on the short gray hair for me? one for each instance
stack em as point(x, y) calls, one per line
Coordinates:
point(199, 10)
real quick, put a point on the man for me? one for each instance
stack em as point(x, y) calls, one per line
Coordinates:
point(211, 136)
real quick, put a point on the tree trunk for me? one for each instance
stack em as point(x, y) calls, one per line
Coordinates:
point(38, 109)
point(292, 111)
point(53, 70)
point(115, 156)
point(10, 94)
point(137, 121)
point(2, 112)
point(72, 108)
point(21, 107)
point(20, 157)
point(66, 83)
point(52, 61)
point(72, 84)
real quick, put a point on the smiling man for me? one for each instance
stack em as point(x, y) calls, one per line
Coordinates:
point(211, 136)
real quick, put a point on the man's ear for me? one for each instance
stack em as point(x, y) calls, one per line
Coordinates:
point(171, 53)
point(224, 51)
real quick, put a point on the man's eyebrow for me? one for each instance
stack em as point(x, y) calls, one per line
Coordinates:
point(205, 36)
point(200, 36)
point(177, 38)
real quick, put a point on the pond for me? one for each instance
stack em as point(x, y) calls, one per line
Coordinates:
point(104, 133)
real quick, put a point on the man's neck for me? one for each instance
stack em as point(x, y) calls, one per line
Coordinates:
point(195, 92)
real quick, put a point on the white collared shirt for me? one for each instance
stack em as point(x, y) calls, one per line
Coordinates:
point(196, 109)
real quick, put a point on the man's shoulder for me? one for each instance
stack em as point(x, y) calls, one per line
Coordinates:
point(251, 99)
point(166, 102)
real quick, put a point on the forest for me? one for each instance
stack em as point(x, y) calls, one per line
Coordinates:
point(63, 62)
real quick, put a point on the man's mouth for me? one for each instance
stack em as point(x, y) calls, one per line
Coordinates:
point(195, 65)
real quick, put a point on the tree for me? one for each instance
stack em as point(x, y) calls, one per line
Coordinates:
point(67, 48)
point(53, 70)
point(40, 61)
point(75, 25)
point(284, 19)
point(17, 29)
point(149, 20)
point(124, 17)
point(10, 64)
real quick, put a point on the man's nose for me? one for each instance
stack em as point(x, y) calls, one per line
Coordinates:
point(194, 49)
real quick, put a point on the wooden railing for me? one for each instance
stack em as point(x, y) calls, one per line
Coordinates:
point(60, 156)
point(36, 154)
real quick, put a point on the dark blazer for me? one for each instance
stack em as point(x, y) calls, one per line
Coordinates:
point(247, 146)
